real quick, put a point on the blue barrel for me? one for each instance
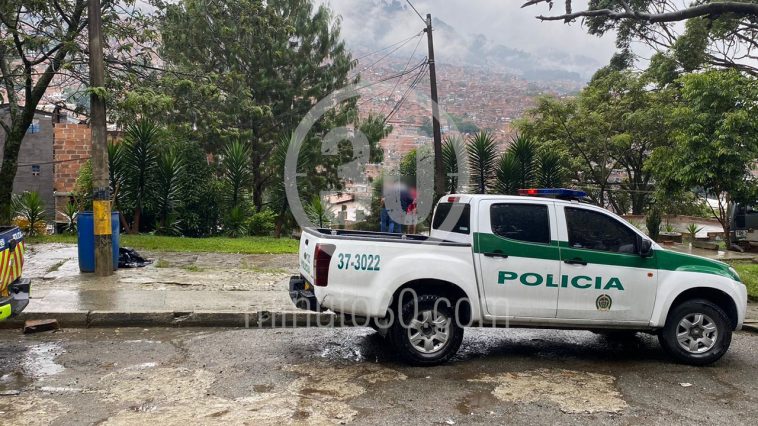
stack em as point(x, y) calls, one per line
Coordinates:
point(85, 233)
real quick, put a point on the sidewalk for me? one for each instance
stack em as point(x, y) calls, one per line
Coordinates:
point(200, 289)
point(178, 289)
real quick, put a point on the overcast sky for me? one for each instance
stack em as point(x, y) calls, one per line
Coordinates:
point(501, 21)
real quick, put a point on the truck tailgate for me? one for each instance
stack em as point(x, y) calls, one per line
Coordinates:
point(11, 257)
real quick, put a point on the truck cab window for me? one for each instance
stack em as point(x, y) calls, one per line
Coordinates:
point(521, 222)
point(593, 230)
point(460, 215)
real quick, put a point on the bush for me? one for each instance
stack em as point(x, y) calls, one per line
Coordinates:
point(261, 223)
point(653, 223)
point(31, 213)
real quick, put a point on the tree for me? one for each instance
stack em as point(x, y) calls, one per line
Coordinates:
point(261, 67)
point(42, 45)
point(453, 149)
point(236, 172)
point(375, 129)
point(169, 186)
point(140, 162)
point(715, 140)
point(612, 126)
point(524, 165)
point(482, 155)
point(720, 33)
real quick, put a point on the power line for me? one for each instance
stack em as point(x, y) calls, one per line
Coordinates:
point(402, 100)
point(388, 54)
point(404, 68)
point(387, 47)
point(414, 9)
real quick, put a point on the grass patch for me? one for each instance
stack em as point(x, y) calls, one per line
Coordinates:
point(162, 263)
point(246, 245)
point(192, 268)
point(749, 275)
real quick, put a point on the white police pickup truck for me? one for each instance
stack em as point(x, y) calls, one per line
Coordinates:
point(520, 261)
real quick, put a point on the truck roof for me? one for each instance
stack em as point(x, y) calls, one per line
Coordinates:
point(468, 198)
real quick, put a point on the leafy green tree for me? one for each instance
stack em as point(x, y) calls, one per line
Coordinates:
point(612, 126)
point(716, 33)
point(261, 65)
point(482, 155)
point(41, 41)
point(715, 142)
point(375, 129)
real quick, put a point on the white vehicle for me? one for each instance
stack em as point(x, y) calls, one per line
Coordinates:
point(520, 261)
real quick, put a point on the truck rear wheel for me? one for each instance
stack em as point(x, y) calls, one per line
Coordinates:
point(426, 331)
point(697, 332)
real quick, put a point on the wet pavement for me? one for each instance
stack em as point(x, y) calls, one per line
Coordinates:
point(348, 375)
point(175, 282)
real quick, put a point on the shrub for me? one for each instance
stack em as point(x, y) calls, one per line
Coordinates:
point(70, 211)
point(653, 223)
point(261, 223)
point(31, 213)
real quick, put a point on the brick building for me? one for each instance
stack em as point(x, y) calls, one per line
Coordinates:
point(53, 151)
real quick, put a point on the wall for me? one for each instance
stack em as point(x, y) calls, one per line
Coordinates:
point(71, 149)
point(36, 149)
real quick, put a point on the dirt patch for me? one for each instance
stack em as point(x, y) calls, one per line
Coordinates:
point(182, 396)
point(572, 391)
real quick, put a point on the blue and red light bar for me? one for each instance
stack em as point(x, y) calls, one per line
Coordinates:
point(553, 192)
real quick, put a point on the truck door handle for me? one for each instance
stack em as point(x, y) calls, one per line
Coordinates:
point(496, 253)
point(575, 261)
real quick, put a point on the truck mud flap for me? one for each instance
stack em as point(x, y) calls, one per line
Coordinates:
point(17, 299)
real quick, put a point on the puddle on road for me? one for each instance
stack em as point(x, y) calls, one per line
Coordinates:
point(165, 395)
point(39, 360)
point(572, 391)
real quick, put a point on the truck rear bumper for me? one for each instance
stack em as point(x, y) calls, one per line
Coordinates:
point(17, 300)
point(301, 293)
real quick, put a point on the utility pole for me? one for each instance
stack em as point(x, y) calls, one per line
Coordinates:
point(101, 198)
point(439, 171)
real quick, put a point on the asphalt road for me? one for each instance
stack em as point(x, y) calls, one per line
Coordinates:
point(324, 376)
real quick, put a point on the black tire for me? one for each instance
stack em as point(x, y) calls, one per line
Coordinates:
point(714, 316)
point(402, 329)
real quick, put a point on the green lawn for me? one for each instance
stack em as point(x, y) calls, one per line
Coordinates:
point(247, 245)
point(749, 275)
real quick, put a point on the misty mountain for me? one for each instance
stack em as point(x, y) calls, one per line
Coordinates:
point(378, 21)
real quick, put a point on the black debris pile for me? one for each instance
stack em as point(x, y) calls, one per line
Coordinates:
point(128, 258)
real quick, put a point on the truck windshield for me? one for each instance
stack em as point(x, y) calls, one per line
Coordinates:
point(459, 214)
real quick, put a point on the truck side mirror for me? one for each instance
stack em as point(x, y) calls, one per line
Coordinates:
point(646, 247)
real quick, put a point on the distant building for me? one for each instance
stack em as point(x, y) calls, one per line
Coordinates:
point(35, 159)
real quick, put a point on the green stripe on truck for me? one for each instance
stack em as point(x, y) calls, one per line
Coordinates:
point(559, 250)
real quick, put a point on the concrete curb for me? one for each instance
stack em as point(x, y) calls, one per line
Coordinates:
point(106, 319)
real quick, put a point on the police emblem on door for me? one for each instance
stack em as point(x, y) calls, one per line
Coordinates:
point(603, 302)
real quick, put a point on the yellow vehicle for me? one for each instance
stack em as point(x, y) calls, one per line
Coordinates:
point(14, 290)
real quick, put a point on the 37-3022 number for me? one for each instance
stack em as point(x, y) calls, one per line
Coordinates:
point(358, 261)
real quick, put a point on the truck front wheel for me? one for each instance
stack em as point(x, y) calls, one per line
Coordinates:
point(697, 332)
point(426, 331)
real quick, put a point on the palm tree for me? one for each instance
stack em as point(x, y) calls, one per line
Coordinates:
point(550, 170)
point(236, 171)
point(524, 152)
point(482, 155)
point(508, 174)
point(140, 155)
point(453, 148)
point(169, 178)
